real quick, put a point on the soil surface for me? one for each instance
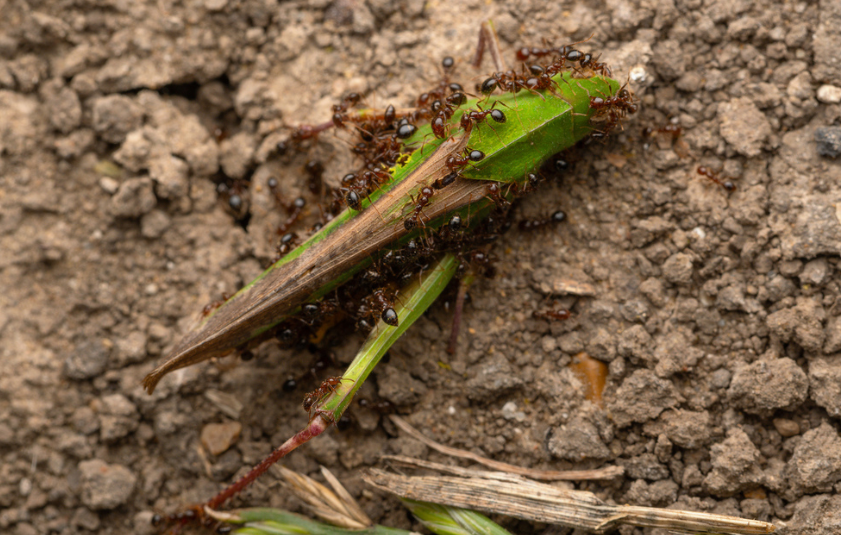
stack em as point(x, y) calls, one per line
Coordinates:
point(717, 314)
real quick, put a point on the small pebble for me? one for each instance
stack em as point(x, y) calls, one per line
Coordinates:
point(829, 94)
point(109, 185)
point(787, 428)
point(510, 412)
point(217, 438)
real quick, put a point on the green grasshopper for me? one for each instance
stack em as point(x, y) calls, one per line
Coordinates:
point(540, 123)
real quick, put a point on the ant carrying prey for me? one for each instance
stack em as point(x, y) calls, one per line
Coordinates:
point(416, 205)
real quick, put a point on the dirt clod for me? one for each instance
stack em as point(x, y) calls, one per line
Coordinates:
point(105, 486)
point(768, 385)
point(815, 465)
point(735, 465)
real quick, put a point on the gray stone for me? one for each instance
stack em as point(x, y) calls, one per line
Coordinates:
point(131, 348)
point(602, 345)
point(720, 378)
point(828, 139)
point(88, 360)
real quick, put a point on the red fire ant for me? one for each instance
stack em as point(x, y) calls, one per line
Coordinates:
point(552, 315)
point(534, 224)
point(287, 242)
point(614, 109)
point(444, 111)
point(328, 386)
point(672, 131)
point(525, 52)
point(379, 303)
point(471, 118)
point(421, 200)
point(314, 312)
point(315, 171)
point(621, 101)
point(494, 193)
point(454, 162)
point(727, 185)
point(210, 307)
point(339, 115)
point(445, 181)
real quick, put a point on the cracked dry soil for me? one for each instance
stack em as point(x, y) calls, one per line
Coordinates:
point(718, 315)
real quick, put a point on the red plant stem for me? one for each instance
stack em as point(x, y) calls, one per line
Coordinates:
point(317, 425)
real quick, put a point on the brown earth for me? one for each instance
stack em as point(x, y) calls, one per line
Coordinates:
point(718, 315)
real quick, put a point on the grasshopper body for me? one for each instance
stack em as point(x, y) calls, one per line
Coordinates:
point(539, 125)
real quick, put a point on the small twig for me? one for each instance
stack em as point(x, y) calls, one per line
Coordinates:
point(488, 40)
point(463, 285)
point(609, 472)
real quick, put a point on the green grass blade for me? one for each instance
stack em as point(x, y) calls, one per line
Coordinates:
point(444, 520)
point(411, 303)
point(266, 521)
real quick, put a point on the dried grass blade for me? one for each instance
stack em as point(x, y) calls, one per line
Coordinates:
point(608, 472)
point(530, 500)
